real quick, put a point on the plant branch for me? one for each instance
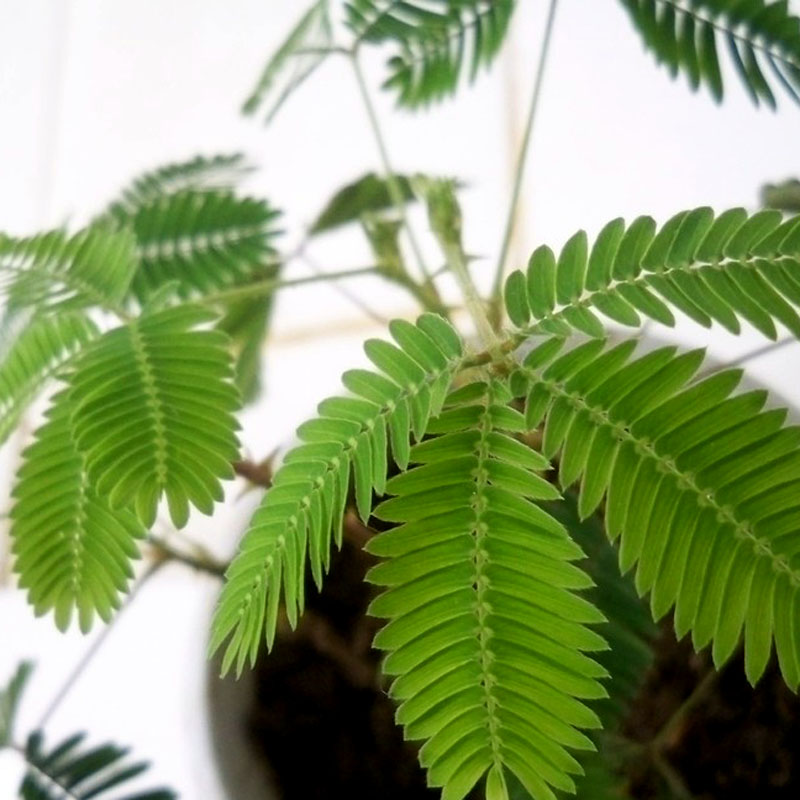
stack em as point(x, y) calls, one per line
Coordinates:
point(668, 733)
point(472, 300)
point(198, 561)
point(269, 285)
point(391, 177)
point(94, 647)
point(511, 219)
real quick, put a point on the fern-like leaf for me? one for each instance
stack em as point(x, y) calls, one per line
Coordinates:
point(69, 772)
point(199, 241)
point(702, 486)
point(762, 38)
point(73, 553)
point(487, 636)
point(37, 354)
point(303, 50)
point(10, 697)
point(365, 196)
point(714, 269)
point(220, 172)
point(303, 511)
point(153, 413)
point(246, 322)
point(629, 631)
point(436, 43)
point(52, 270)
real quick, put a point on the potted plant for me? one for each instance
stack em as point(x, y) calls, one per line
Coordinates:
point(511, 486)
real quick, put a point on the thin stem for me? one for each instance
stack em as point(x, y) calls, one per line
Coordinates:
point(198, 561)
point(343, 291)
point(511, 219)
point(472, 300)
point(671, 777)
point(668, 732)
point(391, 177)
point(751, 356)
point(94, 648)
point(269, 285)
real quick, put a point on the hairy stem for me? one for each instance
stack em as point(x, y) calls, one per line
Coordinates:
point(472, 300)
point(511, 219)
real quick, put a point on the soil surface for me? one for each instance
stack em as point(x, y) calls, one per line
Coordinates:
point(325, 723)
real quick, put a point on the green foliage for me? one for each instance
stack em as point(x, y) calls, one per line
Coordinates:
point(201, 172)
point(246, 323)
point(67, 772)
point(487, 635)
point(713, 269)
point(783, 196)
point(629, 631)
point(153, 413)
point(198, 241)
point(55, 272)
point(760, 36)
point(435, 43)
point(9, 702)
point(302, 513)
point(34, 356)
point(367, 195)
point(293, 62)
point(515, 631)
point(72, 552)
point(701, 488)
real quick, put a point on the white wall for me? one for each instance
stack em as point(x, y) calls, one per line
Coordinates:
point(93, 91)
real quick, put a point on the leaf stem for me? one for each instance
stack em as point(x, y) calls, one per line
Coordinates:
point(511, 219)
point(269, 285)
point(94, 648)
point(472, 300)
point(391, 177)
point(671, 727)
point(198, 561)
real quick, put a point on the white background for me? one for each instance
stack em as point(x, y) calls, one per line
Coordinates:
point(91, 92)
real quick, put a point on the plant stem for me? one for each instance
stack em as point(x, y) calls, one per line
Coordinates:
point(667, 733)
point(391, 177)
point(511, 219)
point(472, 300)
point(196, 561)
point(269, 285)
point(94, 647)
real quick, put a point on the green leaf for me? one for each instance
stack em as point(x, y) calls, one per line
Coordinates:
point(301, 514)
point(73, 553)
point(246, 322)
point(69, 771)
point(220, 172)
point(10, 697)
point(55, 272)
point(37, 354)
point(367, 195)
point(434, 46)
point(153, 414)
point(726, 269)
point(199, 241)
point(303, 50)
point(488, 645)
point(703, 491)
point(756, 33)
